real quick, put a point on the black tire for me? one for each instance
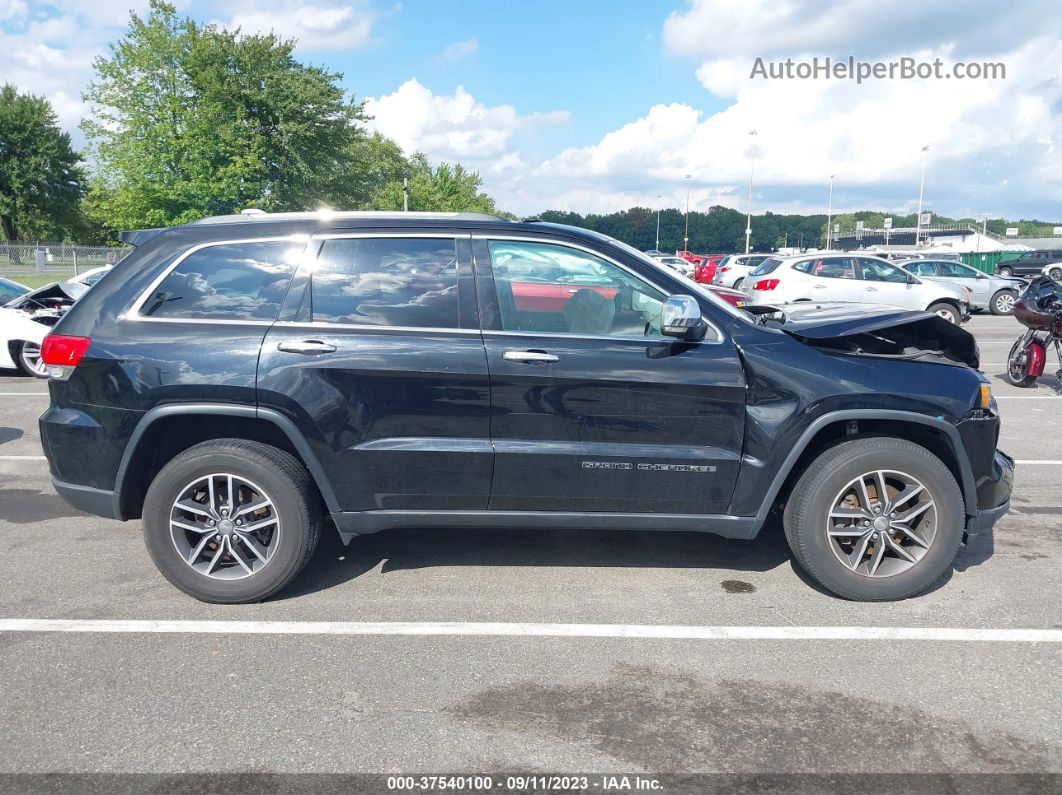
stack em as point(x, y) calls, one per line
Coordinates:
point(809, 505)
point(940, 308)
point(1004, 307)
point(1056, 274)
point(27, 357)
point(738, 283)
point(1006, 272)
point(281, 476)
point(1018, 371)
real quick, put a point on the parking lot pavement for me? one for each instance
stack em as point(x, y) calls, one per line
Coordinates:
point(142, 701)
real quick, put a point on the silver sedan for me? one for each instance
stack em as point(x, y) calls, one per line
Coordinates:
point(993, 293)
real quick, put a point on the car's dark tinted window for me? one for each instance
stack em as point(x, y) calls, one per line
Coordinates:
point(387, 282)
point(833, 268)
point(230, 281)
point(767, 265)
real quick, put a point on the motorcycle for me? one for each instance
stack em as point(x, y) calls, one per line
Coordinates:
point(1039, 309)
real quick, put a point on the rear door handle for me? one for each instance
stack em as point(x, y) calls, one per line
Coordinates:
point(820, 286)
point(872, 289)
point(308, 347)
point(529, 357)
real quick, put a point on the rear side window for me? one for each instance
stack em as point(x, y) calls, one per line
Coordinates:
point(386, 282)
point(768, 265)
point(230, 281)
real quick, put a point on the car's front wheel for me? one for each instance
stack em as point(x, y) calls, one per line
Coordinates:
point(28, 358)
point(1056, 274)
point(875, 519)
point(230, 521)
point(1003, 302)
point(946, 311)
point(1008, 272)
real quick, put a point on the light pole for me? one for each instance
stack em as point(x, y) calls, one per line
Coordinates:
point(748, 219)
point(921, 190)
point(658, 222)
point(686, 234)
point(829, 213)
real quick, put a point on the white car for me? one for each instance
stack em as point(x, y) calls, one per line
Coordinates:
point(90, 277)
point(1053, 271)
point(733, 269)
point(685, 267)
point(26, 320)
point(861, 279)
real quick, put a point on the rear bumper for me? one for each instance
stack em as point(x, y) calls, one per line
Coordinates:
point(85, 498)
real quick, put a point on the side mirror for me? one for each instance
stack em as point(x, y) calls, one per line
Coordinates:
point(912, 280)
point(680, 316)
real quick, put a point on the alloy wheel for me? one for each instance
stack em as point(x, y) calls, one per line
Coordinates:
point(31, 359)
point(224, 526)
point(1005, 303)
point(881, 523)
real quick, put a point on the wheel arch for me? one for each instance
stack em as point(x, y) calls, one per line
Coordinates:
point(937, 435)
point(165, 431)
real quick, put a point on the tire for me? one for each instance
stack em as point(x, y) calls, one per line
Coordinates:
point(292, 521)
point(807, 513)
point(1017, 371)
point(1056, 274)
point(28, 358)
point(1002, 302)
point(946, 311)
point(738, 283)
point(1006, 272)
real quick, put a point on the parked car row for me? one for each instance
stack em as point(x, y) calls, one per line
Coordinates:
point(1033, 263)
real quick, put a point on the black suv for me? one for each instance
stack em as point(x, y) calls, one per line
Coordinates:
point(1032, 263)
point(240, 381)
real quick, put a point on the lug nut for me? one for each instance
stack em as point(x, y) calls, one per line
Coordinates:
point(211, 522)
point(217, 537)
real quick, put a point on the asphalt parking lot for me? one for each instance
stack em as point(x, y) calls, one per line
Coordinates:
point(287, 698)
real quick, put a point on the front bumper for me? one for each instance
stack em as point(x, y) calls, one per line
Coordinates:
point(997, 488)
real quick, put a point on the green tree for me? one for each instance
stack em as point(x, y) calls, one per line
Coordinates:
point(192, 120)
point(40, 180)
point(448, 188)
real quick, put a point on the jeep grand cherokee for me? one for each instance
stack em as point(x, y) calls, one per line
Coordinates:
point(240, 381)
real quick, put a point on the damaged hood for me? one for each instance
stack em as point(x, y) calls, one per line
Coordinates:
point(885, 331)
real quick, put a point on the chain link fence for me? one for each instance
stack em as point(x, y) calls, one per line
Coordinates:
point(40, 263)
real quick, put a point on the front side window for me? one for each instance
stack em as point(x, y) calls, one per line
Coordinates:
point(833, 268)
point(229, 281)
point(875, 271)
point(544, 287)
point(956, 270)
point(386, 282)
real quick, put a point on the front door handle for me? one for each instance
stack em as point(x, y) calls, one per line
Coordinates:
point(872, 289)
point(820, 286)
point(536, 357)
point(308, 347)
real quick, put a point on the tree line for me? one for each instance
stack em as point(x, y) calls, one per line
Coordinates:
point(190, 120)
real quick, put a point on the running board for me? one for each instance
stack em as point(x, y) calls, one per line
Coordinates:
point(355, 523)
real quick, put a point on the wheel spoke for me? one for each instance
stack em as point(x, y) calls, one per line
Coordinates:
point(918, 510)
point(899, 550)
point(862, 494)
point(841, 531)
point(859, 551)
point(212, 496)
point(875, 558)
point(254, 526)
point(911, 534)
point(217, 557)
point(195, 553)
point(882, 489)
point(253, 545)
point(191, 527)
point(191, 506)
point(251, 507)
point(849, 513)
point(238, 555)
point(232, 497)
point(905, 495)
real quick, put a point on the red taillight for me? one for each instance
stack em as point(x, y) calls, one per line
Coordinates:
point(765, 284)
point(724, 269)
point(61, 351)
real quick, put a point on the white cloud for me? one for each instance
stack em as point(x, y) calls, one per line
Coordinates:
point(457, 50)
point(13, 10)
point(994, 144)
point(324, 25)
point(450, 127)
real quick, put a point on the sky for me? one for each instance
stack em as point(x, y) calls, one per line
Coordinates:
point(596, 105)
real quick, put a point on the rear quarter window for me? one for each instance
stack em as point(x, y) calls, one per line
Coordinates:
point(769, 265)
point(228, 281)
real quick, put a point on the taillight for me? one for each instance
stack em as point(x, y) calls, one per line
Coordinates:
point(765, 284)
point(62, 354)
point(725, 268)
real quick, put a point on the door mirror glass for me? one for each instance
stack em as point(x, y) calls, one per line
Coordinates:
point(680, 316)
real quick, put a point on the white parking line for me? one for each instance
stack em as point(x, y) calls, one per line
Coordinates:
point(1025, 463)
point(1028, 397)
point(20, 394)
point(22, 458)
point(467, 629)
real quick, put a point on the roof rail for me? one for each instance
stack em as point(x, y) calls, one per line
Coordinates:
point(259, 216)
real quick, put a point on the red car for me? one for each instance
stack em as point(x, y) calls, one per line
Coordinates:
point(705, 271)
point(735, 297)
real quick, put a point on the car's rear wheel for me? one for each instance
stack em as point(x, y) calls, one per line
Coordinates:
point(1056, 274)
point(28, 357)
point(738, 283)
point(875, 519)
point(1002, 303)
point(231, 521)
point(946, 311)
point(1004, 271)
